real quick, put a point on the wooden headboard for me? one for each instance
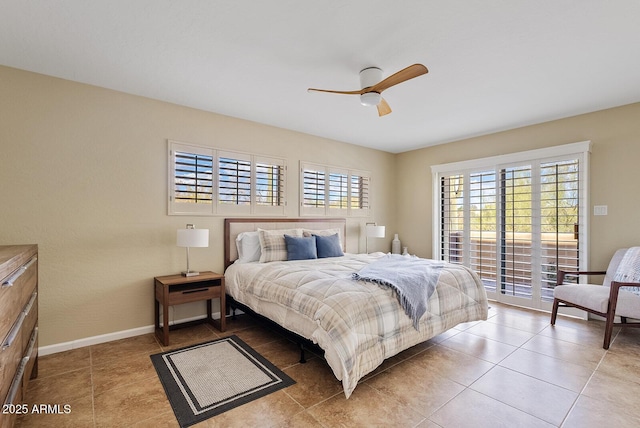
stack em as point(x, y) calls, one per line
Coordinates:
point(234, 226)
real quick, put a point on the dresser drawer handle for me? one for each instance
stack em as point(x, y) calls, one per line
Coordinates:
point(32, 342)
point(14, 331)
point(195, 291)
point(29, 305)
point(18, 273)
point(30, 262)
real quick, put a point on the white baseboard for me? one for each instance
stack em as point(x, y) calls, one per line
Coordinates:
point(109, 337)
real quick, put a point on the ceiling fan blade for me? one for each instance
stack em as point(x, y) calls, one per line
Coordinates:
point(360, 92)
point(383, 108)
point(403, 75)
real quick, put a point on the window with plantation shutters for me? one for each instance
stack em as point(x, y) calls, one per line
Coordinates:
point(193, 178)
point(270, 183)
point(517, 239)
point(327, 190)
point(515, 219)
point(359, 194)
point(313, 190)
point(482, 224)
point(560, 205)
point(338, 191)
point(207, 181)
point(234, 180)
point(452, 218)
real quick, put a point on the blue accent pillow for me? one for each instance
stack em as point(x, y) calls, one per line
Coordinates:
point(328, 246)
point(302, 248)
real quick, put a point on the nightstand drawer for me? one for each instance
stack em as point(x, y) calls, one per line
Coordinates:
point(193, 293)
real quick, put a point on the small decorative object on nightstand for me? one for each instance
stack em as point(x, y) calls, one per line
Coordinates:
point(177, 289)
point(395, 245)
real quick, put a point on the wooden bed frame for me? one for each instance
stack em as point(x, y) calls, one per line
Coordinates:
point(234, 226)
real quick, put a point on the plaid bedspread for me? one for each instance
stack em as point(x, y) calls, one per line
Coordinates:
point(359, 324)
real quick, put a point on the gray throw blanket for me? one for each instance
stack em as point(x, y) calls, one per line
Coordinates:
point(413, 279)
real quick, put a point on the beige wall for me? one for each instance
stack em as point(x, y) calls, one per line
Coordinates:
point(84, 175)
point(615, 161)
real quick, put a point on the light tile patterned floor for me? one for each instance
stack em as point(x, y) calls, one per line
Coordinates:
point(513, 370)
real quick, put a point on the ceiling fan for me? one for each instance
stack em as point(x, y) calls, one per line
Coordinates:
point(373, 85)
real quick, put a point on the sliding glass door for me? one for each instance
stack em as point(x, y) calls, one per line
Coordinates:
point(515, 223)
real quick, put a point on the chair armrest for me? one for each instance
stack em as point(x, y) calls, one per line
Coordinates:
point(615, 290)
point(562, 273)
point(618, 284)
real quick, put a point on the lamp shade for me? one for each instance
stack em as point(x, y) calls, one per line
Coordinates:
point(375, 231)
point(193, 238)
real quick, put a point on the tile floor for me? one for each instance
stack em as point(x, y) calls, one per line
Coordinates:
point(513, 370)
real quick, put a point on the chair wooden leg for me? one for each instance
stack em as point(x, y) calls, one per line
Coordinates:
point(608, 328)
point(554, 312)
point(611, 312)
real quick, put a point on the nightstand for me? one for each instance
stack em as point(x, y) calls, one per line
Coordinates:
point(177, 289)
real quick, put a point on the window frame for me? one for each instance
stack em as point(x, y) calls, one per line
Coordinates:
point(217, 207)
point(326, 208)
point(536, 159)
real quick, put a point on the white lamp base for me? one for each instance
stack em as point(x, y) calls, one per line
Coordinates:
point(190, 273)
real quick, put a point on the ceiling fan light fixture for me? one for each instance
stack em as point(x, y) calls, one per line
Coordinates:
point(370, 99)
point(372, 85)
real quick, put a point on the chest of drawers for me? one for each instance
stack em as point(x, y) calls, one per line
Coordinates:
point(18, 325)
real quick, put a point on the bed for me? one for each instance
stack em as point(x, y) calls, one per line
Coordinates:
point(358, 324)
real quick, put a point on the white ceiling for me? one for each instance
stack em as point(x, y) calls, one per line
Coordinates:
point(493, 64)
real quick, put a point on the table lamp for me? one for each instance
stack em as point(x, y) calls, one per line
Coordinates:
point(373, 231)
point(192, 237)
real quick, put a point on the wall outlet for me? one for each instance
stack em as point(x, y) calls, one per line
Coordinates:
point(599, 210)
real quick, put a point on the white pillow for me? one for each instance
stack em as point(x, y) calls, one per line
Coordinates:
point(248, 244)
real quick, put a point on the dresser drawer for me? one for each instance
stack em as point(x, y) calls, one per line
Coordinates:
point(16, 288)
point(10, 357)
point(15, 344)
point(15, 395)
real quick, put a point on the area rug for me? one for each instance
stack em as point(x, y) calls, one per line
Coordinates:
point(204, 380)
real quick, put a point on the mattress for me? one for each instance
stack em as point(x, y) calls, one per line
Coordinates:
point(358, 324)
